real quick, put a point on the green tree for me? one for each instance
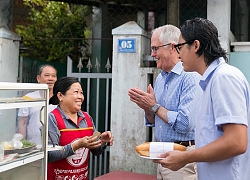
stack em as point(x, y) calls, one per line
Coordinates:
point(56, 30)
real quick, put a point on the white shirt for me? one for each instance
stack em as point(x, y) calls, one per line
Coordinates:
point(225, 100)
point(33, 126)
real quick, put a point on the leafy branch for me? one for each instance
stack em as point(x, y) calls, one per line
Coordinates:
point(55, 30)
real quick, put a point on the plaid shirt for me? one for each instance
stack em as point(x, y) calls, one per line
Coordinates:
point(178, 92)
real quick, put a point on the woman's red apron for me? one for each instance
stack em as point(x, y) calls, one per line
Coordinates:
point(74, 167)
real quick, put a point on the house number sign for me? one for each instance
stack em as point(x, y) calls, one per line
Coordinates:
point(126, 45)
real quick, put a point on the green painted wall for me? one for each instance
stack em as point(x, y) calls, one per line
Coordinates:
point(241, 60)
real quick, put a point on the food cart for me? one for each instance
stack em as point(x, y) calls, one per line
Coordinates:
point(30, 161)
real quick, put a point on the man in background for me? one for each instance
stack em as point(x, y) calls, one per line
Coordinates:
point(29, 117)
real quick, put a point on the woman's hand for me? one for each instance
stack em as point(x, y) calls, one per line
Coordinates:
point(107, 137)
point(87, 142)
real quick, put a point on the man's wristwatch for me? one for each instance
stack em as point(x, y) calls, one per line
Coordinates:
point(155, 107)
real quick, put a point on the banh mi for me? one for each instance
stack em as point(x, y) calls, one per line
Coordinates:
point(143, 149)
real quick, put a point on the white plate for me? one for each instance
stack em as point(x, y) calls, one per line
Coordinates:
point(146, 157)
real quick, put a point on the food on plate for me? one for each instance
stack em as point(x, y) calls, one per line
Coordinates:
point(11, 145)
point(27, 144)
point(143, 149)
point(18, 145)
point(7, 145)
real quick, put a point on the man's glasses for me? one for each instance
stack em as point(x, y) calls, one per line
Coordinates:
point(155, 48)
point(178, 46)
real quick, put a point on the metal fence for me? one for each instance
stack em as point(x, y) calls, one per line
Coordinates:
point(101, 91)
point(119, 13)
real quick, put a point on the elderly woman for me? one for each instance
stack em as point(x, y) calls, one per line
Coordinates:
point(73, 129)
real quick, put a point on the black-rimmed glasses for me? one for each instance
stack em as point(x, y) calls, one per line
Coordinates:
point(155, 48)
point(178, 46)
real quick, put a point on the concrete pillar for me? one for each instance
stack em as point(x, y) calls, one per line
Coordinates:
point(130, 44)
point(9, 53)
point(219, 11)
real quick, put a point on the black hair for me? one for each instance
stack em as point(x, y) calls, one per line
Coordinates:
point(40, 68)
point(62, 85)
point(206, 33)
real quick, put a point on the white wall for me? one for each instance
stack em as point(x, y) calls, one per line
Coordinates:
point(9, 54)
point(219, 12)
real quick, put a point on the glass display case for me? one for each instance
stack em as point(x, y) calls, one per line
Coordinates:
point(23, 140)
